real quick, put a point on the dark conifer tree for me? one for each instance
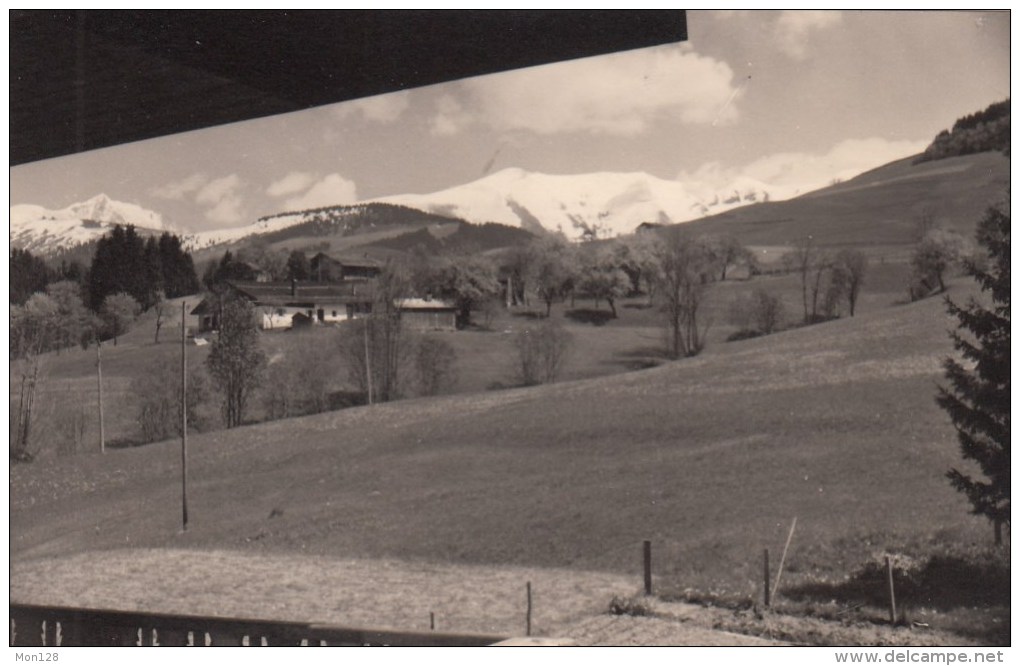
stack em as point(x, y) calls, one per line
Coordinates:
point(298, 266)
point(152, 273)
point(133, 273)
point(977, 399)
point(29, 274)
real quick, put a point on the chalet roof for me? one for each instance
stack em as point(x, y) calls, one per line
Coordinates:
point(349, 262)
point(302, 293)
point(204, 307)
point(423, 304)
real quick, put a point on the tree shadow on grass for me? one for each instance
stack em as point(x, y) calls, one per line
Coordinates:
point(640, 358)
point(943, 582)
point(528, 314)
point(588, 316)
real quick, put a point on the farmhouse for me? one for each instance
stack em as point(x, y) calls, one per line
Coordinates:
point(325, 268)
point(426, 314)
point(280, 305)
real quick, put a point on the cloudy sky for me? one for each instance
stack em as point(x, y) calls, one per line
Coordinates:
point(793, 99)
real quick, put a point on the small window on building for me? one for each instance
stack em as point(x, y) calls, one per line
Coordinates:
point(334, 313)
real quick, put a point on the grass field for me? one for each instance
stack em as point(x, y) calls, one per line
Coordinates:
point(710, 458)
point(485, 355)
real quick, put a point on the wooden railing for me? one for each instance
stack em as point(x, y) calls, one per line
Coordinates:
point(53, 626)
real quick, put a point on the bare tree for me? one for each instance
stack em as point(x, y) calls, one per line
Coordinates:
point(117, 313)
point(932, 259)
point(300, 381)
point(375, 347)
point(799, 260)
point(552, 269)
point(683, 268)
point(822, 285)
point(435, 363)
point(541, 349)
point(71, 422)
point(235, 360)
point(160, 309)
point(760, 313)
point(728, 252)
point(851, 267)
point(767, 310)
point(602, 278)
point(31, 331)
point(157, 397)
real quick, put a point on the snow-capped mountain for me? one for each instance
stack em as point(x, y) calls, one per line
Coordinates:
point(603, 204)
point(264, 225)
point(43, 231)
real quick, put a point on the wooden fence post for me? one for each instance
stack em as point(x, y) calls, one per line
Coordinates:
point(528, 627)
point(648, 567)
point(892, 591)
point(768, 588)
point(782, 559)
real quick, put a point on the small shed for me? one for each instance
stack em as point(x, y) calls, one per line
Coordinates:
point(426, 314)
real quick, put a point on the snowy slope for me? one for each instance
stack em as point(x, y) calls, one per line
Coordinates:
point(604, 204)
point(601, 204)
point(264, 225)
point(44, 231)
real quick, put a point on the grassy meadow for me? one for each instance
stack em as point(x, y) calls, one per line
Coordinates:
point(710, 458)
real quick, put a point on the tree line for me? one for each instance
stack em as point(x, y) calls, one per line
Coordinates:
point(54, 308)
point(975, 133)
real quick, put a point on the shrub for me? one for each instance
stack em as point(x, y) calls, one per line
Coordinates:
point(629, 606)
point(157, 394)
point(933, 257)
point(743, 334)
point(541, 350)
point(300, 381)
point(435, 365)
point(760, 314)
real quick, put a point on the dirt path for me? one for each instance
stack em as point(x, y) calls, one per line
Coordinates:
point(357, 593)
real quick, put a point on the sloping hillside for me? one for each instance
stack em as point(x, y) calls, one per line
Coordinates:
point(881, 207)
point(709, 457)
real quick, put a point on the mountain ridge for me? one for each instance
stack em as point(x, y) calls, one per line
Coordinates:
point(48, 231)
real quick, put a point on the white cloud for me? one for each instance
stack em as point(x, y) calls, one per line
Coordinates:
point(793, 28)
point(224, 202)
point(450, 116)
point(178, 189)
point(620, 94)
point(380, 109)
point(333, 190)
point(295, 181)
point(790, 174)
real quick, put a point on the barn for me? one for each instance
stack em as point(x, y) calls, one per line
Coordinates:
point(426, 314)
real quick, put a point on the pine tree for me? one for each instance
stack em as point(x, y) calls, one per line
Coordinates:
point(29, 274)
point(977, 399)
point(153, 273)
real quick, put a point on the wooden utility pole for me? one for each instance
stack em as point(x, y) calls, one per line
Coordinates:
point(99, 378)
point(184, 417)
point(368, 364)
point(765, 571)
